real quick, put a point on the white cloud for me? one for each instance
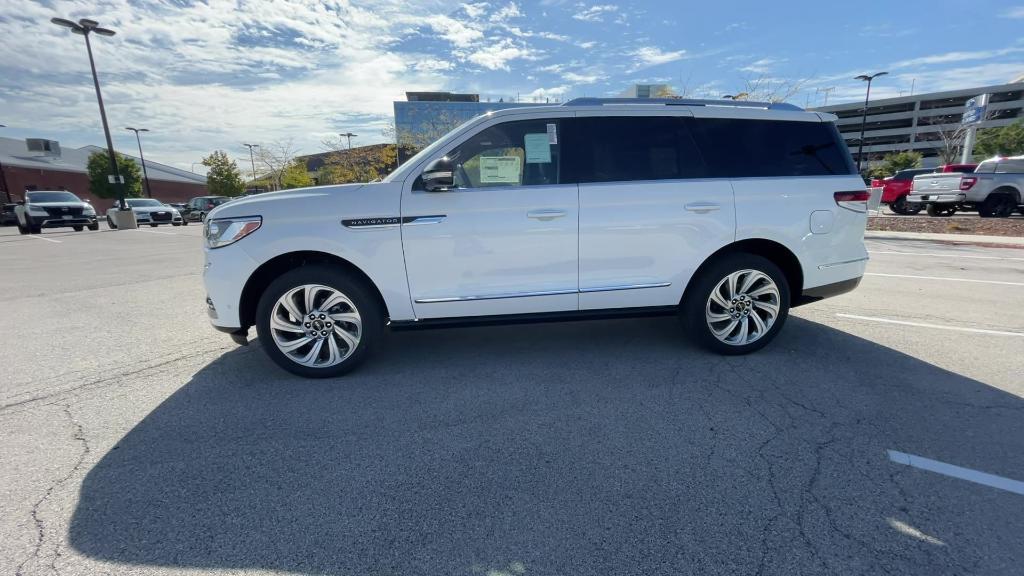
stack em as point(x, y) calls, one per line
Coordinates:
point(543, 94)
point(595, 13)
point(762, 66)
point(956, 57)
point(460, 34)
point(576, 78)
point(587, 45)
point(648, 56)
point(475, 10)
point(1015, 12)
point(511, 10)
point(497, 56)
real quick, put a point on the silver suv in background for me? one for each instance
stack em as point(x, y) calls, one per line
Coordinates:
point(994, 188)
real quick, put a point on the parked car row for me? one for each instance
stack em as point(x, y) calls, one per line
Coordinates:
point(995, 188)
point(62, 209)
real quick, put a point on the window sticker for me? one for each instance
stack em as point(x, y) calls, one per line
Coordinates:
point(538, 148)
point(500, 169)
point(552, 133)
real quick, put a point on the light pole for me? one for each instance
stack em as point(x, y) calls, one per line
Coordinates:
point(145, 175)
point(864, 115)
point(85, 27)
point(350, 136)
point(3, 178)
point(252, 160)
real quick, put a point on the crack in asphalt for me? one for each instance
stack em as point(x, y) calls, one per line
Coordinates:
point(78, 436)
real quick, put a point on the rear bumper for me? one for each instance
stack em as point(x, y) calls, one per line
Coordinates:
point(827, 291)
point(950, 198)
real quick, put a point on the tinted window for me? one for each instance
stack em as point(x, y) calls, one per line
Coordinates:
point(737, 148)
point(523, 153)
point(624, 148)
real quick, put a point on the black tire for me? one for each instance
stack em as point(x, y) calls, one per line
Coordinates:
point(370, 312)
point(152, 225)
point(21, 229)
point(184, 222)
point(202, 216)
point(695, 302)
point(942, 210)
point(904, 208)
point(997, 206)
point(32, 229)
point(110, 223)
point(78, 228)
point(175, 223)
point(94, 227)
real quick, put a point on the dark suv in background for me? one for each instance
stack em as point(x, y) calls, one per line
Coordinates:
point(198, 207)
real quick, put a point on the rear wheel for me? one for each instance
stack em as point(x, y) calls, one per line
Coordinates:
point(110, 223)
point(152, 225)
point(942, 209)
point(997, 206)
point(78, 228)
point(904, 208)
point(318, 322)
point(737, 304)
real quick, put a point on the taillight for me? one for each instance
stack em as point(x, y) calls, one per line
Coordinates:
point(856, 200)
point(967, 182)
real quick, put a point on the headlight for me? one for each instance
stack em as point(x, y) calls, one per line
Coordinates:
point(37, 211)
point(89, 210)
point(223, 231)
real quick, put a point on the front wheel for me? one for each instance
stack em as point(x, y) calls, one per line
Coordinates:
point(737, 304)
point(153, 225)
point(94, 227)
point(318, 322)
point(78, 228)
point(997, 206)
point(942, 210)
point(110, 223)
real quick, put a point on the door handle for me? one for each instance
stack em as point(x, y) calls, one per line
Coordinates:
point(702, 207)
point(545, 215)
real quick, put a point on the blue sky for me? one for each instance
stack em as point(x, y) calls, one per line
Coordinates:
point(209, 75)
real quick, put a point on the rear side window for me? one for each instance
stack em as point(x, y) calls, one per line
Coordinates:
point(736, 148)
point(628, 148)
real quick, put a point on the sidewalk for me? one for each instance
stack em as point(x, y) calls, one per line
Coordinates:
point(1007, 241)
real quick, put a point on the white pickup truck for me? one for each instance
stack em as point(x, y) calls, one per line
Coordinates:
point(995, 189)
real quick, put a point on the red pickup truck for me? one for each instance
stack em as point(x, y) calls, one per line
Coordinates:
point(895, 188)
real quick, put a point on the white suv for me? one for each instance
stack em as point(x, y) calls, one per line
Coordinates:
point(727, 213)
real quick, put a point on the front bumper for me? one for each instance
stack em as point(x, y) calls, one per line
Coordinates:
point(51, 222)
point(225, 274)
point(938, 198)
point(148, 219)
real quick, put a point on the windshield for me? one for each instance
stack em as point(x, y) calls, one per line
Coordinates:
point(141, 202)
point(400, 172)
point(58, 196)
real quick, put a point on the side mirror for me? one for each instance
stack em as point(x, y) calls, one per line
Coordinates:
point(21, 202)
point(438, 176)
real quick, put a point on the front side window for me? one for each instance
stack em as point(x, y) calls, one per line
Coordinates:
point(627, 148)
point(520, 153)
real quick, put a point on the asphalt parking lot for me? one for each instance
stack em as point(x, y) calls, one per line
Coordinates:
point(881, 433)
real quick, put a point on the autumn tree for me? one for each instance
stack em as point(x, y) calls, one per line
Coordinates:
point(98, 168)
point(362, 164)
point(295, 175)
point(277, 156)
point(223, 177)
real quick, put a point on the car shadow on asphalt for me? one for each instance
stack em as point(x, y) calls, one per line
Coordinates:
point(581, 448)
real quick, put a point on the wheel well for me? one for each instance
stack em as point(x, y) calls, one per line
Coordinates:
point(1008, 190)
point(777, 253)
point(273, 268)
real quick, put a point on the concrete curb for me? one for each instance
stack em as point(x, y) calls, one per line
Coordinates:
point(973, 239)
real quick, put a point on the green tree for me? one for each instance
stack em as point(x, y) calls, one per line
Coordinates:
point(362, 164)
point(98, 169)
point(1002, 141)
point(295, 175)
point(895, 162)
point(223, 177)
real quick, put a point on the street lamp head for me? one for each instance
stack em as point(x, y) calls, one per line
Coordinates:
point(103, 31)
point(64, 23)
point(88, 24)
point(867, 78)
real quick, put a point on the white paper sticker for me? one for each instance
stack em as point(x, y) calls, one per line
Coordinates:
point(552, 133)
point(538, 150)
point(500, 169)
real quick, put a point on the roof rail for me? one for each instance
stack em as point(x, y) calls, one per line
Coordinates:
point(682, 102)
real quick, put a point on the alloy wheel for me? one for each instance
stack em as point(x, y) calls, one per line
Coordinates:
point(743, 307)
point(315, 325)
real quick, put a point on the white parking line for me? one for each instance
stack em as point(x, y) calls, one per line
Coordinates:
point(983, 478)
point(38, 237)
point(950, 256)
point(935, 326)
point(1000, 282)
point(156, 232)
